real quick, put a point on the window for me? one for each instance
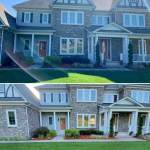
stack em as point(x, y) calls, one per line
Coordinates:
point(100, 20)
point(134, 20)
point(27, 43)
point(140, 47)
point(141, 96)
point(1, 88)
point(144, 119)
point(63, 97)
point(72, 18)
point(50, 120)
point(84, 95)
point(71, 46)
point(27, 17)
point(86, 121)
point(11, 118)
point(73, 1)
point(110, 98)
point(48, 97)
point(45, 18)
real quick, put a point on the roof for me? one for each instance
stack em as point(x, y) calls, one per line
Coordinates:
point(9, 99)
point(7, 17)
point(113, 86)
point(52, 86)
point(139, 31)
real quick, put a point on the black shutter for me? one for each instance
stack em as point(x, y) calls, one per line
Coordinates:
point(51, 97)
point(31, 20)
point(41, 15)
point(66, 97)
point(49, 19)
point(59, 97)
point(44, 97)
point(22, 17)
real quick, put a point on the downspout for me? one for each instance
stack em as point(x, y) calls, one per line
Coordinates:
point(1, 47)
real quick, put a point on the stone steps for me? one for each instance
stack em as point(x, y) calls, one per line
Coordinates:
point(114, 64)
point(38, 61)
point(124, 135)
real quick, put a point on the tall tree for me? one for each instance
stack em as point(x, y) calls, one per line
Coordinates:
point(140, 126)
point(98, 60)
point(130, 54)
point(111, 128)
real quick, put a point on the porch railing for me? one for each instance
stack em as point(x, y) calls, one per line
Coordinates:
point(147, 57)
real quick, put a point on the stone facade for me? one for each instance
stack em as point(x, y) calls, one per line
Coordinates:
point(121, 94)
point(21, 129)
point(84, 108)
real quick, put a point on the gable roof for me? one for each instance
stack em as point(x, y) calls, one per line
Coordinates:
point(51, 86)
point(7, 17)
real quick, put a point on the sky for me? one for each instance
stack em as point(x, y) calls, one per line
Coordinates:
point(9, 3)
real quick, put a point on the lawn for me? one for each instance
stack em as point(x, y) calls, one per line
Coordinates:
point(74, 76)
point(78, 146)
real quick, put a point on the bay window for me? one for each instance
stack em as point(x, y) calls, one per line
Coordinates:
point(100, 20)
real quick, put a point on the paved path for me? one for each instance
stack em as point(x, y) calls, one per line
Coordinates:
point(35, 66)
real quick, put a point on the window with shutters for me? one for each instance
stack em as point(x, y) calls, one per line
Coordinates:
point(45, 18)
point(50, 121)
point(11, 118)
point(140, 96)
point(86, 95)
point(27, 17)
point(27, 44)
point(110, 98)
point(100, 20)
point(48, 97)
point(63, 97)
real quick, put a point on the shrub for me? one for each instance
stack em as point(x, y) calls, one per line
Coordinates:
point(99, 132)
point(53, 133)
point(148, 64)
point(88, 132)
point(29, 60)
point(71, 131)
point(68, 136)
point(20, 56)
point(98, 137)
point(7, 61)
point(85, 61)
point(40, 131)
point(144, 137)
point(76, 135)
point(53, 60)
point(76, 65)
point(16, 138)
point(140, 126)
point(41, 137)
point(48, 135)
point(111, 129)
point(145, 64)
point(67, 131)
point(82, 132)
point(137, 67)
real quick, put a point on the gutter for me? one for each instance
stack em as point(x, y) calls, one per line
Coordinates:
point(1, 47)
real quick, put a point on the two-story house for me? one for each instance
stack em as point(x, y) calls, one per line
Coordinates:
point(73, 28)
point(73, 106)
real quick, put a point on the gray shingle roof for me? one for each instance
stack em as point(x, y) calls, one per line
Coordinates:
point(35, 28)
point(139, 31)
point(51, 86)
point(113, 86)
point(9, 99)
point(55, 106)
point(6, 17)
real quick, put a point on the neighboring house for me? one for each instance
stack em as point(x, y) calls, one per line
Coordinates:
point(69, 106)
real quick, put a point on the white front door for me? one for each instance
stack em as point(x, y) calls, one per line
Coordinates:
point(116, 118)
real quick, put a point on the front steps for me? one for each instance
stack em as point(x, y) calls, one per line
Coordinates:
point(38, 60)
point(113, 64)
point(123, 135)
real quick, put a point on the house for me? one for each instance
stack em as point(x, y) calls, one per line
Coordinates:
point(73, 106)
point(73, 28)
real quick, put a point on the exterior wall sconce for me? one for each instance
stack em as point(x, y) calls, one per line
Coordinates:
point(58, 119)
point(37, 44)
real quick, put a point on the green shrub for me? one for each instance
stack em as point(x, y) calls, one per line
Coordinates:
point(68, 136)
point(148, 64)
point(98, 137)
point(29, 60)
point(41, 137)
point(98, 60)
point(111, 128)
point(67, 131)
point(76, 65)
point(85, 61)
point(73, 132)
point(76, 135)
point(82, 132)
point(130, 54)
point(16, 138)
point(88, 132)
point(140, 126)
point(20, 56)
point(99, 132)
point(48, 135)
point(40, 131)
point(53, 60)
point(145, 64)
point(53, 133)
point(144, 137)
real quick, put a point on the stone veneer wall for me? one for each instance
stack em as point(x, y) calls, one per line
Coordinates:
point(69, 31)
point(21, 129)
point(121, 94)
point(84, 108)
point(33, 119)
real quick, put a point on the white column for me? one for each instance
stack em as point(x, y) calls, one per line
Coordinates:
point(54, 120)
point(89, 48)
point(105, 123)
point(126, 47)
point(135, 122)
point(50, 44)
point(68, 120)
point(15, 40)
point(92, 49)
point(132, 121)
point(100, 121)
point(40, 118)
point(147, 122)
point(32, 48)
point(142, 46)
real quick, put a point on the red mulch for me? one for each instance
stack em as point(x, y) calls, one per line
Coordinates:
point(23, 66)
point(87, 137)
point(42, 139)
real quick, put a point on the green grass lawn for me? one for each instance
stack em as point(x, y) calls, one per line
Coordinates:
point(74, 76)
point(78, 146)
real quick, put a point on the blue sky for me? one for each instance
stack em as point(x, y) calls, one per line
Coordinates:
point(9, 3)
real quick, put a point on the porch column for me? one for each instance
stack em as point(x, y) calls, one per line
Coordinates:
point(54, 120)
point(92, 43)
point(132, 122)
point(32, 48)
point(135, 122)
point(126, 48)
point(105, 123)
point(68, 120)
point(142, 46)
point(147, 122)
point(50, 44)
point(15, 40)
point(40, 118)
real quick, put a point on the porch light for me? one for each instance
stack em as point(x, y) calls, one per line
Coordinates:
point(58, 119)
point(37, 44)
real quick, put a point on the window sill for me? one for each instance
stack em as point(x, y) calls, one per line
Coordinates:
point(12, 126)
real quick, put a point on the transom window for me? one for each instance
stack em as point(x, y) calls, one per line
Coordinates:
point(11, 118)
point(86, 121)
point(141, 96)
point(1, 88)
point(27, 43)
point(27, 17)
point(63, 97)
point(48, 97)
point(140, 47)
point(71, 46)
point(100, 20)
point(45, 18)
point(72, 18)
point(73, 1)
point(134, 20)
point(84, 95)
point(110, 98)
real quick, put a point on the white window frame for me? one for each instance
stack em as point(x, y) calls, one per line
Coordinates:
point(145, 118)
point(50, 97)
point(43, 17)
point(103, 20)
point(112, 100)
point(145, 50)
point(25, 43)
point(61, 97)
point(83, 96)
point(68, 19)
point(75, 51)
point(138, 95)
point(130, 18)
point(2, 87)
point(8, 124)
point(89, 117)
point(25, 17)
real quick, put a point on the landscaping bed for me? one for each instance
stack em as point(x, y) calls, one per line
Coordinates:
point(33, 139)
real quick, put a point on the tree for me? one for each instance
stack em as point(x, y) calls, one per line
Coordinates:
point(140, 126)
point(130, 55)
point(98, 60)
point(111, 128)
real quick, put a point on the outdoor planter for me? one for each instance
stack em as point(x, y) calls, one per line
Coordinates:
point(116, 133)
point(104, 62)
point(121, 62)
point(131, 133)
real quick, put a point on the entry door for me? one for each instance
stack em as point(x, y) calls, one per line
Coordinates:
point(116, 117)
point(42, 48)
point(103, 46)
point(62, 123)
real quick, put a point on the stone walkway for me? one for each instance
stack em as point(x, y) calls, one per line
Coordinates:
point(35, 66)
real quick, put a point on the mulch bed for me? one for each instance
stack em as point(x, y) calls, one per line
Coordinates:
point(23, 66)
point(87, 137)
point(42, 139)
point(141, 139)
point(139, 69)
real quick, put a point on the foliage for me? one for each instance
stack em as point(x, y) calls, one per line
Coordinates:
point(76, 65)
point(7, 61)
point(53, 133)
point(91, 131)
point(41, 137)
point(98, 60)
point(111, 130)
point(144, 137)
point(40, 131)
point(148, 64)
point(145, 64)
point(116, 132)
point(99, 132)
point(48, 135)
point(82, 132)
point(130, 55)
point(29, 60)
point(68, 136)
point(137, 67)
point(140, 126)
point(20, 56)
point(98, 137)
point(76, 135)
point(52, 61)
point(71, 131)
point(15, 138)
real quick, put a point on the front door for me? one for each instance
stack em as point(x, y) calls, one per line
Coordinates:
point(103, 47)
point(116, 116)
point(42, 48)
point(62, 123)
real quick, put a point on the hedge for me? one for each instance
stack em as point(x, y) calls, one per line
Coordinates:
point(52, 60)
